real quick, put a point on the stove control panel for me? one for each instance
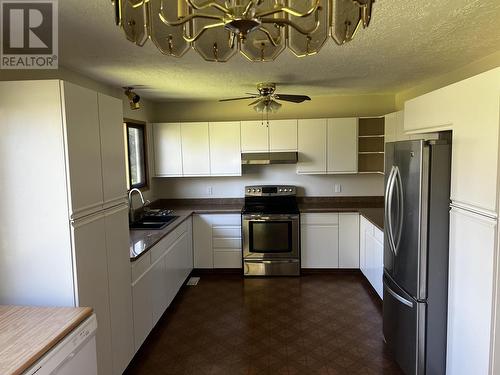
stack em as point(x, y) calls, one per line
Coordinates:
point(270, 191)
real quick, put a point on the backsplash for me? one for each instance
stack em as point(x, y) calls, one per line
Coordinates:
point(233, 187)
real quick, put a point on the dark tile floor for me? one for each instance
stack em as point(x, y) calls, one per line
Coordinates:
point(315, 324)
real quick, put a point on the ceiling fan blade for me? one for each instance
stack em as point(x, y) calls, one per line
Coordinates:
point(255, 102)
point(292, 98)
point(245, 97)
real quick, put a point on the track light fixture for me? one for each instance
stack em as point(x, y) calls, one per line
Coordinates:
point(133, 98)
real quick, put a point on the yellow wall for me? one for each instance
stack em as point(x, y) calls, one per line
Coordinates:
point(433, 83)
point(318, 107)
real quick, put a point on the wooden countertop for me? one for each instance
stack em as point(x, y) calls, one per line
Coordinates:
point(27, 333)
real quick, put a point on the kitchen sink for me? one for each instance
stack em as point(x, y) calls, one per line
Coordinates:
point(153, 222)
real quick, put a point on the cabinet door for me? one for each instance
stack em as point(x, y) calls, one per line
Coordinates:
point(319, 241)
point(225, 149)
point(283, 135)
point(349, 240)
point(394, 127)
point(254, 136)
point(195, 149)
point(120, 290)
point(312, 146)
point(81, 121)
point(342, 145)
point(159, 285)
point(167, 149)
point(143, 317)
point(91, 266)
point(364, 226)
point(470, 290)
point(114, 179)
point(202, 242)
point(378, 263)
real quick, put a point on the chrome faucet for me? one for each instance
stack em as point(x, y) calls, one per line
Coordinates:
point(131, 212)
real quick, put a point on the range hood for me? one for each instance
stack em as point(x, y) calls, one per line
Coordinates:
point(265, 158)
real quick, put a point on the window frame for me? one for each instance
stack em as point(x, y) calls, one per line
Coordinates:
point(142, 127)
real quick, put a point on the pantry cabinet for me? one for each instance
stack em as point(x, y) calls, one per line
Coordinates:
point(217, 241)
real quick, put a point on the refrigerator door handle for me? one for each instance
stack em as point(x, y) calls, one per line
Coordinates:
point(388, 209)
point(403, 300)
point(400, 191)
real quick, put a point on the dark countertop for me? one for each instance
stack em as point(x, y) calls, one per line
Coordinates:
point(143, 240)
point(372, 208)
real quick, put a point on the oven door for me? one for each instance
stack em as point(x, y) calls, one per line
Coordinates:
point(267, 237)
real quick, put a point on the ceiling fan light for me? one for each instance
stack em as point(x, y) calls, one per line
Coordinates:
point(260, 107)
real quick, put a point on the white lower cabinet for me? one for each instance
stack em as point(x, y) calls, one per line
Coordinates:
point(349, 240)
point(319, 240)
point(330, 240)
point(217, 241)
point(157, 277)
point(371, 250)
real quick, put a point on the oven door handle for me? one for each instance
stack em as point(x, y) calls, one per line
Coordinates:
point(272, 261)
point(270, 218)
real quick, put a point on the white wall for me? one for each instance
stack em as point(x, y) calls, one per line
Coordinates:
point(233, 187)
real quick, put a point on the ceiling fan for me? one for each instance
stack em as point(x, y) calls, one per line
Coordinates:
point(267, 98)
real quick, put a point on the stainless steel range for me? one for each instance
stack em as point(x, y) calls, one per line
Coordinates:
point(271, 231)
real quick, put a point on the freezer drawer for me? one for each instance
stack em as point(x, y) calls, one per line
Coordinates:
point(404, 328)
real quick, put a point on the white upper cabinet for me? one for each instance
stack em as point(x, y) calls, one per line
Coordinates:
point(254, 136)
point(394, 127)
point(312, 146)
point(167, 149)
point(342, 145)
point(225, 150)
point(434, 110)
point(283, 135)
point(81, 120)
point(195, 149)
point(114, 177)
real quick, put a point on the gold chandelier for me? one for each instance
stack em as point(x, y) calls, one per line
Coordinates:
point(259, 29)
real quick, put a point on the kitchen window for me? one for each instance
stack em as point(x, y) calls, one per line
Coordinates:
point(137, 171)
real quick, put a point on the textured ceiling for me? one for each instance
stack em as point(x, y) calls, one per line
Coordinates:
point(407, 41)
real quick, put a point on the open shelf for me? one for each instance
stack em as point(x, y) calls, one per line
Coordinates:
point(371, 145)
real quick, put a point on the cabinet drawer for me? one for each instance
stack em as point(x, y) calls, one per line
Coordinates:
point(140, 266)
point(227, 258)
point(319, 219)
point(226, 243)
point(226, 231)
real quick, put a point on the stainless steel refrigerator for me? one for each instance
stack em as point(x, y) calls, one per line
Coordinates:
point(417, 201)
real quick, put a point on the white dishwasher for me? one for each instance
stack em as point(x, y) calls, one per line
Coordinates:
point(73, 355)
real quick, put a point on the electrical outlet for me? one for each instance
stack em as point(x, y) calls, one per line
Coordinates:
point(209, 190)
point(338, 188)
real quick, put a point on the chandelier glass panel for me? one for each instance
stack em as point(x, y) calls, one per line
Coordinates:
point(259, 29)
